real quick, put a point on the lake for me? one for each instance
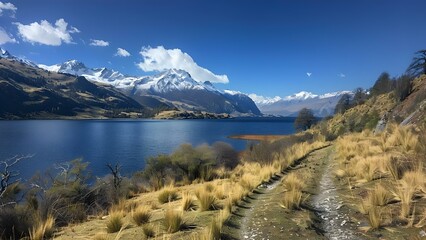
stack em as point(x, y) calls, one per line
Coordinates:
point(126, 141)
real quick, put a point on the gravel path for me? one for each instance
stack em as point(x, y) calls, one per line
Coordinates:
point(334, 222)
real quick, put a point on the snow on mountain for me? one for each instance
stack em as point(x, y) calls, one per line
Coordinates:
point(5, 54)
point(321, 105)
point(300, 96)
point(173, 86)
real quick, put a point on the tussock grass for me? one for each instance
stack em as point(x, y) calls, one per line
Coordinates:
point(380, 196)
point(115, 222)
point(188, 203)
point(207, 201)
point(173, 221)
point(292, 199)
point(375, 217)
point(168, 194)
point(220, 191)
point(293, 182)
point(43, 230)
point(148, 231)
point(141, 215)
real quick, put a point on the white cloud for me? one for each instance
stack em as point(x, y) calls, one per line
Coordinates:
point(342, 75)
point(309, 74)
point(7, 6)
point(121, 52)
point(5, 37)
point(46, 33)
point(159, 59)
point(98, 43)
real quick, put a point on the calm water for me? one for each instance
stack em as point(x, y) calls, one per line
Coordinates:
point(128, 142)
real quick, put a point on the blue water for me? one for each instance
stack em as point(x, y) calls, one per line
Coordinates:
point(128, 142)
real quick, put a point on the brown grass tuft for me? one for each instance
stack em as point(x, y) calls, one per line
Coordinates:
point(207, 201)
point(188, 203)
point(173, 220)
point(292, 199)
point(168, 194)
point(148, 231)
point(115, 222)
point(141, 215)
point(43, 229)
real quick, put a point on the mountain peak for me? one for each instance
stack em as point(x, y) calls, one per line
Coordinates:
point(303, 95)
point(4, 53)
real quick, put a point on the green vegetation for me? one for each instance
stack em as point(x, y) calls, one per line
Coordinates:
point(189, 163)
point(305, 119)
point(418, 64)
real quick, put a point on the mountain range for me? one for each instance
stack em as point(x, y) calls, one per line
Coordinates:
point(321, 105)
point(172, 89)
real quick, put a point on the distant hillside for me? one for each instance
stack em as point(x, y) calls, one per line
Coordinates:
point(383, 107)
point(27, 91)
point(321, 105)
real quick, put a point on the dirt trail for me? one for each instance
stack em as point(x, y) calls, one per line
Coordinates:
point(260, 216)
point(335, 222)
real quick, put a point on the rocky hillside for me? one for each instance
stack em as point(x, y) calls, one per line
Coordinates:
point(27, 91)
point(383, 108)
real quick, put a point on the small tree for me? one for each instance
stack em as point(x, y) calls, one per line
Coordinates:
point(382, 85)
point(305, 119)
point(343, 104)
point(359, 97)
point(403, 87)
point(418, 64)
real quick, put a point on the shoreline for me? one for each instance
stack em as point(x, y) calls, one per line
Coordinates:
point(257, 137)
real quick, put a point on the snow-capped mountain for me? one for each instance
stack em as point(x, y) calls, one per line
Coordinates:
point(75, 67)
point(173, 87)
point(5, 54)
point(322, 105)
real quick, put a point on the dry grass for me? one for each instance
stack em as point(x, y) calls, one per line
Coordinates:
point(173, 220)
point(207, 201)
point(293, 182)
point(188, 203)
point(292, 200)
point(379, 196)
point(148, 231)
point(115, 222)
point(100, 236)
point(141, 215)
point(209, 187)
point(375, 218)
point(43, 229)
point(168, 194)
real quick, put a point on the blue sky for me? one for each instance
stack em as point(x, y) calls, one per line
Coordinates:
point(263, 47)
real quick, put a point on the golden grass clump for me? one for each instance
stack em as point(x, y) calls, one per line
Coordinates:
point(375, 217)
point(412, 183)
point(141, 215)
point(173, 220)
point(380, 196)
point(188, 203)
point(168, 194)
point(292, 200)
point(220, 191)
point(115, 221)
point(43, 229)
point(207, 201)
point(293, 182)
